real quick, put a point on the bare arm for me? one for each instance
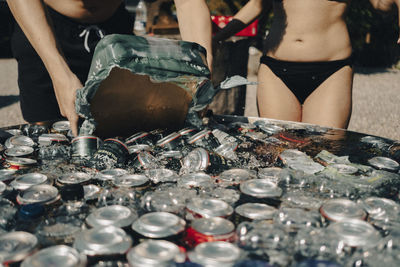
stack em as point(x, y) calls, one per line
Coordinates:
point(387, 5)
point(32, 18)
point(195, 23)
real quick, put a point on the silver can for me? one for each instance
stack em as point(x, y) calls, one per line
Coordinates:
point(218, 253)
point(207, 208)
point(340, 209)
point(25, 181)
point(43, 194)
point(16, 246)
point(60, 255)
point(19, 151)
point(115, 215)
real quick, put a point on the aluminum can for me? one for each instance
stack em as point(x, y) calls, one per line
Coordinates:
point(355, 233)
point(34, 130)
point(162, 175)
point(195, 180)
point(103, 244)
point(115, 215)
point(140, 138)
point(61, 127)
point(19, 163)
point(25, 181)
point(110, 154)
point(16, 246)
point(144, 160)
point(137, 182)
point(209, 230)
point(171, 142)
point(58, 230)
point(60, 255)
point(340, 209)
point(207, 208)
point(84, 146)
point(7, 175)
point(73, 178)
point(218, 253)
point(51, 139)
point(200, 159)
point(253, 211)
point(159, 225)
point(384, 163)
point(154, 253)
point(234, 177)
point(204, 139)
point(260, 191)
point(171, 159)
point(19, 151)
point(19, 140)
point(42, 194)
point(105, 177)
point(294, 219)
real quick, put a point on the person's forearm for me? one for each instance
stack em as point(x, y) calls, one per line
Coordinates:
point(195, 23)
point(31, 16)
point(250, 11)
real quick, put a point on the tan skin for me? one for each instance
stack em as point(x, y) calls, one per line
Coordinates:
point(194, 22)
point(306, 31)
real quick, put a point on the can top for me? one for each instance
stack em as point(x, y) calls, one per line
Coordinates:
point(198, 179)
point(213, 253)
point(135, 137)
point(176, 154)
point(91, 191)
point(6, 175)
point(355, 233)
point(169, 138)
point(109, 240)
point(18, 161)
point(213, 226)
point(25, 181)
point(19, 140)
point(153, 253)
point(260, 188)
point(256, 211)
point(48, 139)
point(159, 225)
point(110, 174)
point(130, 180)
point(197, 160)
point(340, 209)
point(19, 151)
point(198, 136)
point(379, 207)
point(15, 246)
point(60, 255)
point(235, 175)
point(297, 218)
point(116, 215)
point(138, 148)
point(74, 178)
point(42, 193)
point(384, 163)
point(162, 175)
point(344, 168)
point(61, 126)
point(209, 207)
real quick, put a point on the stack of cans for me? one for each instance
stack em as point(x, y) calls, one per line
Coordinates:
point(230, 193)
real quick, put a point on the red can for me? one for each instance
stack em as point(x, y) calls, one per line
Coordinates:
point(209, 230)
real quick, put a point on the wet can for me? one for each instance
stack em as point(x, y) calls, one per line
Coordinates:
point(204, 139)
point(84, 146)
point(20, 151)
point(187, 133)
point(34, 130)
point(209, 230)
point(106, 177)
point(207, 208)
point(16, 246)
point(140, 138)
point(159, 225)
point(110, 154)
point(198, 180)
point(69, 257)
point(340, 209)
point(81, 178)
point(136, 182)
point(171, 159)
point(218, 253)
point(384, 163)
point(7, 175)
point(253, 212)
point(51, 139)
point(154, 253)
point(19, 140)
point(61, 127)
point(42, 194)
point(115, 215)
point(103, 245)
point(171, 142)
point(18, 163)
point(260, 191)
point(144, 161)
point(200, 159)
point(234, 177)
point(27, 180)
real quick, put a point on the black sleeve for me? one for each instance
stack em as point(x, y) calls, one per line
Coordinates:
point(233, 27)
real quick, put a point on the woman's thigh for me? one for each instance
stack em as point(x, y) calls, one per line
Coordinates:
point(331, 103)
point(274, 99)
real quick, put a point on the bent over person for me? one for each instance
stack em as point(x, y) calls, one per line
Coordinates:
point(54, 42)
point(306, 72)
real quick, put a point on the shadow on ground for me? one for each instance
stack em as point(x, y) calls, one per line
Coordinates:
point(6, 100)
point(372, 70)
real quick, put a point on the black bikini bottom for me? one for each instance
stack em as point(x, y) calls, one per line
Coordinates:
point(302, 78)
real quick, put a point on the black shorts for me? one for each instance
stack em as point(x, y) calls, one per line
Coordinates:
point(37, 98)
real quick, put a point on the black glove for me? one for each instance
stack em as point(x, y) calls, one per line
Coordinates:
point(233, 27)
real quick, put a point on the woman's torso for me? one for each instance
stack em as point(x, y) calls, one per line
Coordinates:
point(85, 11)
point(309, 30)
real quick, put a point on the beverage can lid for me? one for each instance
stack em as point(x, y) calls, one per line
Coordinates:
point(60, 255)
point(215, 253)
point(153, 253)
point(25, 181)
point(159, 225)
point(74, 178)
point(209, 207)
point(109, 240)
point(130, 180)
point(61, 126)
point(256, 211)
point(198, 179)
point(19, 151)
point(213, 226)
point(384, 163)
point(110, 174)
point(260, 188)
point(42, 193)
point(340, 209)
point(19, 140)
point(15, 246)
point(116, 215)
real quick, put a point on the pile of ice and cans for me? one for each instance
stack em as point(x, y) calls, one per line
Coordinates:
point(236, 192)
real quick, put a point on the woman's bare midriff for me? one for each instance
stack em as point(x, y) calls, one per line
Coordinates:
point(85, 11)
point(309, 30)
